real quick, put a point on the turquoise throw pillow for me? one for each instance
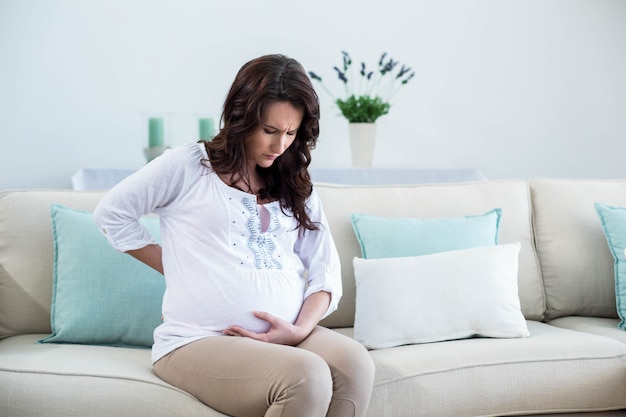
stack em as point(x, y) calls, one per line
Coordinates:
point(386, 237)
point(100, 296)
point(614, 224)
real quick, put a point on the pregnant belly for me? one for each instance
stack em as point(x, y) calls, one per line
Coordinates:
point(226, 304)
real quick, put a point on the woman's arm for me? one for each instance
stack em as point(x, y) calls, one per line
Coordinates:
point(149, 255)
point(284, 333)
point(153, 189)
point(311, 313)
point(319, 255)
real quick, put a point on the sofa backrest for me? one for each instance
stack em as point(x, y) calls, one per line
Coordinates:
point(433, 200)
point(576, 264)
point(26, 248)
point(26, 256)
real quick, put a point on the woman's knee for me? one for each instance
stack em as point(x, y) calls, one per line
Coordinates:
point(308, 377)
point(357, 363)
point(345, 356)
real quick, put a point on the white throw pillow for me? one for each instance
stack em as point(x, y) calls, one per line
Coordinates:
point(442, 296)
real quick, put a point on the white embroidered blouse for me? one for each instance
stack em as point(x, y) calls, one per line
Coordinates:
point(224, 256)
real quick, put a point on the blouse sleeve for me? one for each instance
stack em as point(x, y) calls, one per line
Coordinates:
point(148, 191)
point(318, 252)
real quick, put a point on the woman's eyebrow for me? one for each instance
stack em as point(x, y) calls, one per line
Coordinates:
point(276, 128)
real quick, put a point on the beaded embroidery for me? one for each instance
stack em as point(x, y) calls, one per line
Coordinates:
point(261, 243)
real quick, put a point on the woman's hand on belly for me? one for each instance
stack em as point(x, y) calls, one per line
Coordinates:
point(281, 332)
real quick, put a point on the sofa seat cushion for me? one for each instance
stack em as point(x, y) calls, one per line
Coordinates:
point(62, 380)
point(613, 413)
point(596, 325)
point(487, 377)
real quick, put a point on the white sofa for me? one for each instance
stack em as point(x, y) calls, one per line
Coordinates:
point(573, 362)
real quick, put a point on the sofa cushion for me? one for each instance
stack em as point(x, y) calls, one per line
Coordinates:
point(100, 295)
point(384, 237)
point(26, 256)
point(496, 377)
point(614, 225)
point(441, 296)
point(432, 200)
point(576, 263)
point(85, 380)
point(601, 326)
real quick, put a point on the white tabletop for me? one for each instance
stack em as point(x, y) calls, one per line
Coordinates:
point(375, 176)
point(104, 179)
point(98, 179)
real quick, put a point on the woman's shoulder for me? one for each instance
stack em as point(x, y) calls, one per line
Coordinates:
point(192, 150)
point(190, 155)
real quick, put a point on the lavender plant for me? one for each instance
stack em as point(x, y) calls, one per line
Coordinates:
point(368, 92)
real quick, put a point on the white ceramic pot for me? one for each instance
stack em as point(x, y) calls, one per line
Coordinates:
point(362, 141)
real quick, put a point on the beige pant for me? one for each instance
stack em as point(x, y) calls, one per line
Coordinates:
point(328, 374)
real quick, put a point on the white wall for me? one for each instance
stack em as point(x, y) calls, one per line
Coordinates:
point(514, 88)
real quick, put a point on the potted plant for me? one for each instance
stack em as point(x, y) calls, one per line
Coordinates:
point(368, 93)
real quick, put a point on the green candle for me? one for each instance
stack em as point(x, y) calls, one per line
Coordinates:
point(155, 131)
point(205, 128)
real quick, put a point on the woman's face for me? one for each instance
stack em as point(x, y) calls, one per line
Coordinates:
point(275, 134)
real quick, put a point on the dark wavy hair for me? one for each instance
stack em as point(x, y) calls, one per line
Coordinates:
point(259, 83)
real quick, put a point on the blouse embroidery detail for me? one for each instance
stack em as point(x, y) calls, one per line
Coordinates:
point(261, 243)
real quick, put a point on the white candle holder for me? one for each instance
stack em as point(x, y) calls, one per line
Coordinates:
point(159, 136)
point(152, 152)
